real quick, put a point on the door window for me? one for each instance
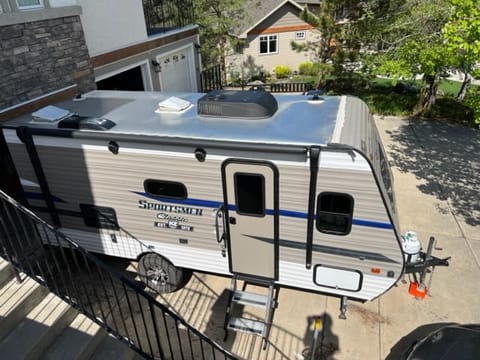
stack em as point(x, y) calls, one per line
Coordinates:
point(250, 194)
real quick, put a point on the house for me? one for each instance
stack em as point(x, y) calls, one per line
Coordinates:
point(267, 33)
point(56, 49)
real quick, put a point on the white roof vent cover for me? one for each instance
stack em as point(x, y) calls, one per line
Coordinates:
point(173, 105)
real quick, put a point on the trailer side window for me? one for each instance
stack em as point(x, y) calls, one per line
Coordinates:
point(386, 175)
point(100, 217)
point(334, 213)
point(250, 194)
point(164, 188)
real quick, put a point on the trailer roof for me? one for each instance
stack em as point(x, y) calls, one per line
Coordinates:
point(299, 120)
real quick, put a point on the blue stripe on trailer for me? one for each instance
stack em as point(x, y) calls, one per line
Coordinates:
point(40, 196)
point(374, 224)
point(231, 207)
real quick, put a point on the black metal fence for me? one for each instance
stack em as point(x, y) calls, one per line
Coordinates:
point(113, 301)
point(277, 87)
point(212, 78)
point(290, 87)
point(165, 15)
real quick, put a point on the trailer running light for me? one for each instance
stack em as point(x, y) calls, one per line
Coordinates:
point(375, 270)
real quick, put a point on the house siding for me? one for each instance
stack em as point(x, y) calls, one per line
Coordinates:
point(284, 23)
point(285, 16)
point(40, 57)
point(285, 55)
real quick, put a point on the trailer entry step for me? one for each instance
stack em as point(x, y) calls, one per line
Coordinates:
point(248, 298)
point(246, 326)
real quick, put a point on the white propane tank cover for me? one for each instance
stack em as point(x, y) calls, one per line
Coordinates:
point(411, 246)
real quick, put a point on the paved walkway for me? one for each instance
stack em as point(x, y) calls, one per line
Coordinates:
point(435, 169)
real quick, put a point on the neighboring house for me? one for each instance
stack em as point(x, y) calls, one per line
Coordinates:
point(55, 49)
point(270, 27)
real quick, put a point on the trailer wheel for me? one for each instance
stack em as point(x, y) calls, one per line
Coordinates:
point(160, 274)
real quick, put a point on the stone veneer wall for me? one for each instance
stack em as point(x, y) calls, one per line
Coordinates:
point(39, 57)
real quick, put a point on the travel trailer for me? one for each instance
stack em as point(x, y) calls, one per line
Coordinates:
point(284, 190)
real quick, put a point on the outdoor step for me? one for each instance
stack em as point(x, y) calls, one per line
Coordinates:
point(16, 301)
point(38, 330)
point(247, 326)
point(78, 341)
point(113, 349)
point(6, 272)
point(249, 298)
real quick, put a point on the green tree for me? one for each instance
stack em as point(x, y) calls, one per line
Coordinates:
point(462, 35)
point(406, 38)
point(334, 44)
point(217, 20)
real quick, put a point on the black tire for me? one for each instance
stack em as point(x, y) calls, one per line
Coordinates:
point(160, 274)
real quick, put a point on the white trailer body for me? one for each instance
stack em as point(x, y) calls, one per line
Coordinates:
point(301, 195)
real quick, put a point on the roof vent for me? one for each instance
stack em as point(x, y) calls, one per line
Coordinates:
point(238, 104)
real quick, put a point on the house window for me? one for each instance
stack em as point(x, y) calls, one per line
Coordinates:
point(250, 194)
point(268, 44)
point(300, 35)
point(334, 213)
point(29, 4)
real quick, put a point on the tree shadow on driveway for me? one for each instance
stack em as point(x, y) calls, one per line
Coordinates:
point(446, 159)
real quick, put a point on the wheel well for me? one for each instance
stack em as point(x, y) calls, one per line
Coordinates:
point(155, 252)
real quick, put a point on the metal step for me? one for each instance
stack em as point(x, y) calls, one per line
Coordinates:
point(247, 326)
point(249, 298)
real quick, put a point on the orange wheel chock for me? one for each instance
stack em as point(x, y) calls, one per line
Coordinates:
point(415, 291)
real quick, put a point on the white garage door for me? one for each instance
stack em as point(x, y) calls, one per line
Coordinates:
point(178, 71)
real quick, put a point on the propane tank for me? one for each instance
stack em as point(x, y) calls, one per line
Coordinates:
point(411, 247)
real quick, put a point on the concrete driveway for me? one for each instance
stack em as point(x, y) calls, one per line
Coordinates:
point(436, 171)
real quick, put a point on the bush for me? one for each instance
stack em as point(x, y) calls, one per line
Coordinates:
point(305, 68)
point(450, 109)
point(282, 71)
point(234, 77)
point(321, 68)
point(472, 101)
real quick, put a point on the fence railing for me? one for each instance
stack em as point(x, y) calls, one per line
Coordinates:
point(113, 301)
point(165, 15)
point(276, 87)
point(212, 79)
point(290, 87)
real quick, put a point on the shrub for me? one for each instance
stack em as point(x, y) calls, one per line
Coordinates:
point(282, 71)
point(305, 68)
point(322, 68)
point(472, 100)
point(234, 77)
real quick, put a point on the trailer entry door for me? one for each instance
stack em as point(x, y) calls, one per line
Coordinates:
point(251, 198)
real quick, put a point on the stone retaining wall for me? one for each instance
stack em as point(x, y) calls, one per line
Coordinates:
point(39, 57)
